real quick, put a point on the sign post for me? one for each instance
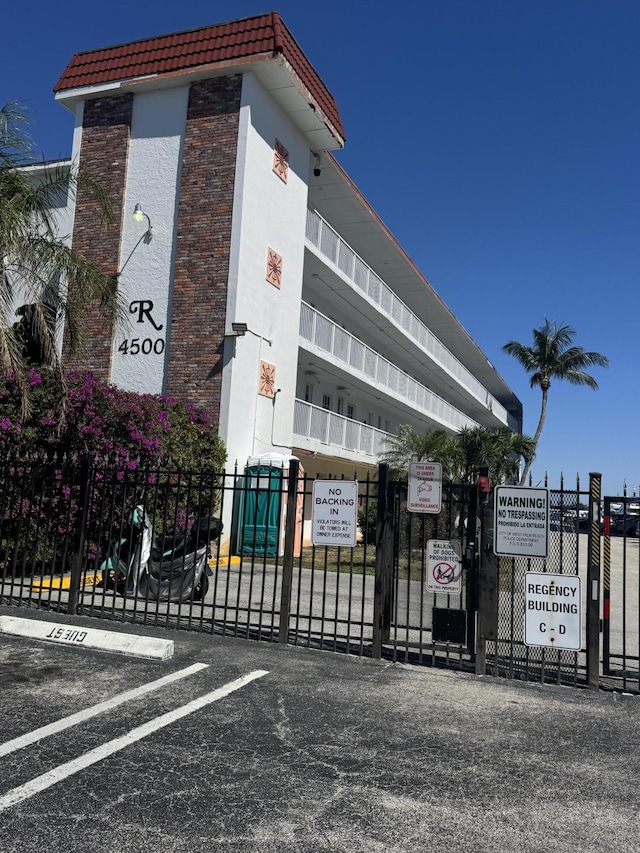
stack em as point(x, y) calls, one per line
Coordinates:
point(334, 516)
point(521, 522)
point(425, 487)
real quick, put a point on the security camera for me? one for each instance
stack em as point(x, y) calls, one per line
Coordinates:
point(317, 169)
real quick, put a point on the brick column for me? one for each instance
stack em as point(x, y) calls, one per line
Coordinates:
point(103, 153)
point(194, 372)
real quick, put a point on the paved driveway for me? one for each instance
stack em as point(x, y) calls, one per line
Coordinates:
point(322, 753)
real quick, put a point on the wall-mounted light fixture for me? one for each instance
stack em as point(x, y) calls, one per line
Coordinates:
point(139, 216)
point(239, 330)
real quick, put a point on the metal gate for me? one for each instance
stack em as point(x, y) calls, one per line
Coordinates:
point(502, 650)
point(621, 593)
point(428, 613)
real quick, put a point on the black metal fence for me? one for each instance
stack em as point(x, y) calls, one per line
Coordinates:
point(72, 538)
point(67, 526)
point(62, 521)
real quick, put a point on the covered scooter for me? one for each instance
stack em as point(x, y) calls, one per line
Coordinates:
point(167, 568)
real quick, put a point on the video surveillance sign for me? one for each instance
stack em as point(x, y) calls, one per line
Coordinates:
point(521, 522)
point(425, 487)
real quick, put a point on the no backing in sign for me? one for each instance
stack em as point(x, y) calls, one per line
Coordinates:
point(334, 515)
point(444, 567)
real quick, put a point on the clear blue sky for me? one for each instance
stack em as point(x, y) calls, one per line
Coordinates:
point(498, 139)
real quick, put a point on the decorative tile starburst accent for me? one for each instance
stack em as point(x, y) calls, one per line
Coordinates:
point(281, 161)
point(274, 268)
point(267, 385)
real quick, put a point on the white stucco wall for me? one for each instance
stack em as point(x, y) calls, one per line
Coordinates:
point(268, 213)
point(146, 280)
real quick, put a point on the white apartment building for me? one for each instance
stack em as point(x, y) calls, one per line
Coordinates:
point(260, 282)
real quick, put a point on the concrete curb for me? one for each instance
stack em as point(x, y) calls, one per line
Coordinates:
point(88, 638)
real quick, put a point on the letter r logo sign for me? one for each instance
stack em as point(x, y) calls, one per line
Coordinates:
point(143, 308)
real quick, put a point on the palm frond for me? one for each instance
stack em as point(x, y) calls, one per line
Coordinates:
point(39, 272)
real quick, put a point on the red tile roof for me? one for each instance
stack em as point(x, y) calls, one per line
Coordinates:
point(188, 50)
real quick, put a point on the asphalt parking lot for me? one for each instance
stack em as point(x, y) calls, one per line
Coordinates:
point(319, 752)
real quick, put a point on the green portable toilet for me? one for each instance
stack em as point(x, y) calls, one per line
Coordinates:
point(261, 505)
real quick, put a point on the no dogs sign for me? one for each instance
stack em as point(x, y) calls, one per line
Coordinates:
point(444, 567)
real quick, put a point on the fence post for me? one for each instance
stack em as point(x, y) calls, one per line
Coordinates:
point(470, 563)
point(289, 547)
point(78, 543)
point(606, 588)
point(593, 583)
point(488, 575)
point(382, 587)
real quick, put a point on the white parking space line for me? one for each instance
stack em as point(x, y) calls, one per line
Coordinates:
point(63, 771)
point(86, 714)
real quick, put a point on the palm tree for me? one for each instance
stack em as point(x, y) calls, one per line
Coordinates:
point(552, 356)
point(463, 454)
point(500, 450)
point(37, 267)
point(413, 446)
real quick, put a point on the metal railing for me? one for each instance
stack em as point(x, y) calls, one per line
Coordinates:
point(360, 359)
point(329, 243)
point(317, 424)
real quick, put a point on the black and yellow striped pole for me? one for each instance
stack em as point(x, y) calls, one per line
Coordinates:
point(593, 583)
point(606, 587)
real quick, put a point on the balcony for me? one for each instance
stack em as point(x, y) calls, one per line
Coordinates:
point(364, 363)
point(326, 432)
point(359, 275)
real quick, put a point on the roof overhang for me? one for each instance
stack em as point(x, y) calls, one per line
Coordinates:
point(274, 73)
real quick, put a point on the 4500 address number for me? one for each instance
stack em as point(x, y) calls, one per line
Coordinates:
point(144, 346)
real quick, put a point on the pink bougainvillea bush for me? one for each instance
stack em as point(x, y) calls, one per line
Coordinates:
point(85, 454)
point(104, 422)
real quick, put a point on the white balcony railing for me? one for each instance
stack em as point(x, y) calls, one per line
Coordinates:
point(334, 430)
point(358, 358)
point(329, 243)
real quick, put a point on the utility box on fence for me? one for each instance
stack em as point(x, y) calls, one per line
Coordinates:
point(262, 507)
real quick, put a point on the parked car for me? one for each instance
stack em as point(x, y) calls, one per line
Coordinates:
point(625, 525)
